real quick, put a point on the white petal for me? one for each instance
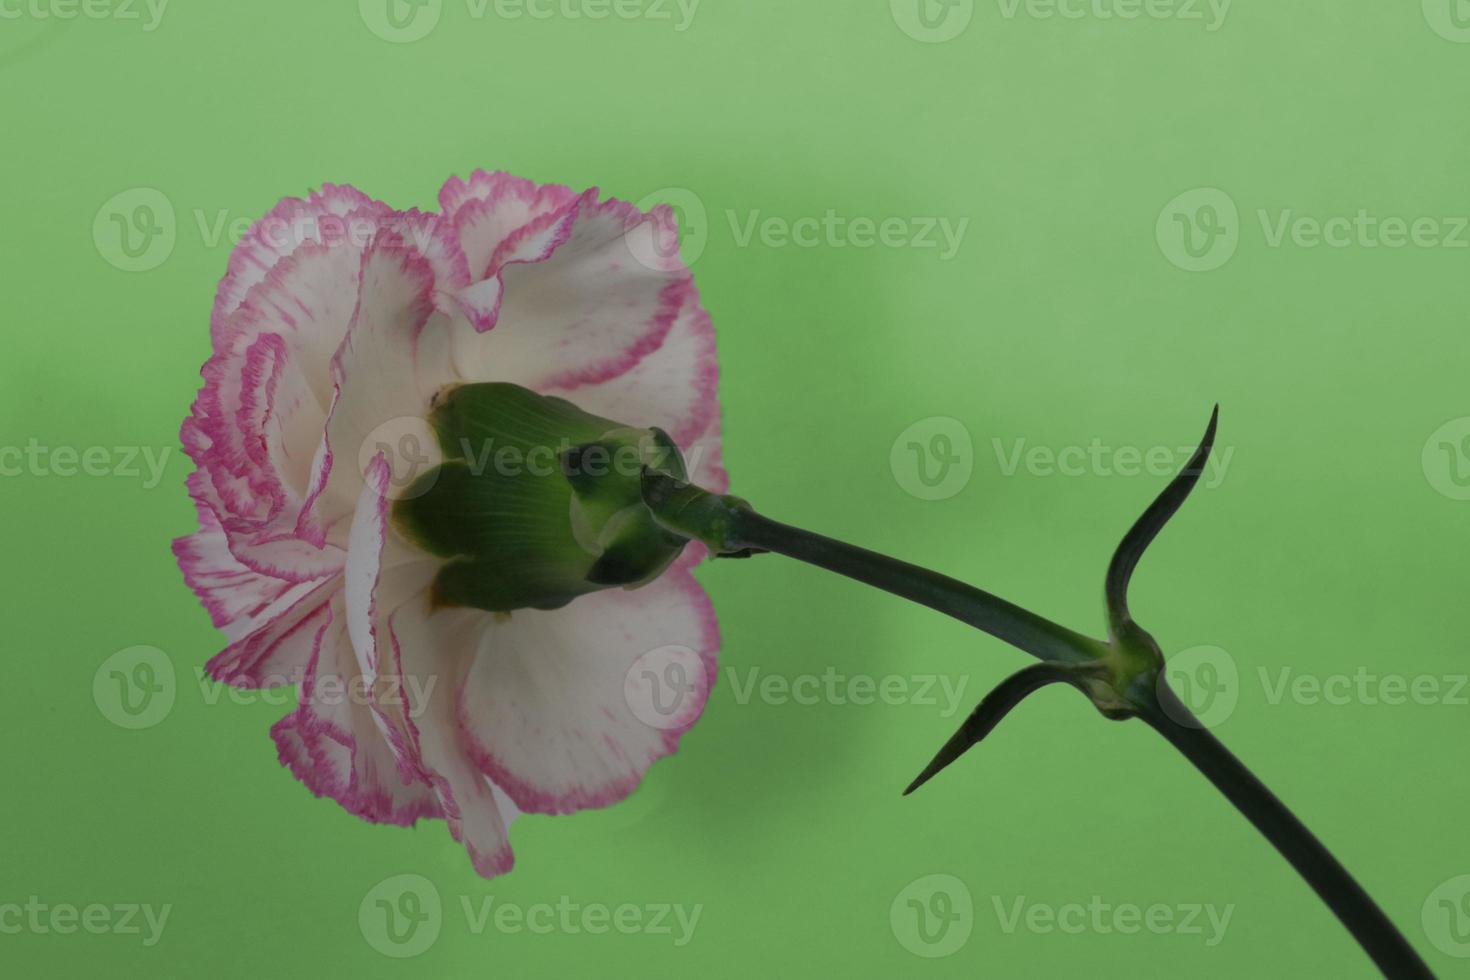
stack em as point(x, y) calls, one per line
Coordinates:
point(567, 709)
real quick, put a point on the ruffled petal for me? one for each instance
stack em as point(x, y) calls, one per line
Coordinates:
point(393, 360)
point(673, 386)
point(428, 643)
point(284, 310)
point(333, 216)
point(585, 297)
point(233, 594)
point(255, 424)
point(389, 609)
point(267, 549)
point(331, 742)
point(281, 641)
point(486, 209)
point(567, 710)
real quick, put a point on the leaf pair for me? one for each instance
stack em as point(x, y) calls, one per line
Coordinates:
point(1125, 636)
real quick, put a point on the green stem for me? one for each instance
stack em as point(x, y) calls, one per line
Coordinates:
point(744, 530)
point(1333, 884)
point(1019, 627)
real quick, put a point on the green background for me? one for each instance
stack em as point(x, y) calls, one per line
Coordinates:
point(1331, 546)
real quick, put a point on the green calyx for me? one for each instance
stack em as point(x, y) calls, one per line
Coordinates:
point(537, 502)
point(695, 513)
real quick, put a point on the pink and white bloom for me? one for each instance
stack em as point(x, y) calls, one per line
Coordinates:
point(337, 323)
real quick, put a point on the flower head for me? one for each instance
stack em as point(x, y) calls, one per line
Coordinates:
point(352, 345)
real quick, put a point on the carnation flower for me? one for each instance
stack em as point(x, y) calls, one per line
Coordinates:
point(441, 488)
point(367, 366)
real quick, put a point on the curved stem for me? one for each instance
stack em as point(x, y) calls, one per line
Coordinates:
point(1328, 878)
point(1050, 641)
point(1019, 627)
